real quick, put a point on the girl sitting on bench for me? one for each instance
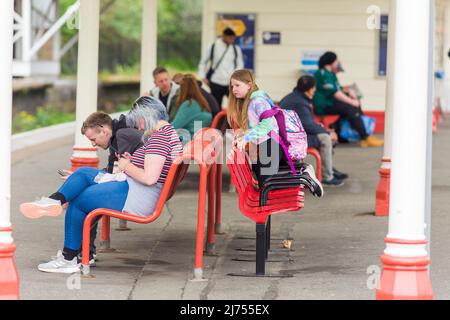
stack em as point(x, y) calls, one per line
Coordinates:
point(135, 190)
point(246, 104)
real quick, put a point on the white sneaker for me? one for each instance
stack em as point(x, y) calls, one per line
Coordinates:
point(314, 185)
point(43, 207)
point(60, 265)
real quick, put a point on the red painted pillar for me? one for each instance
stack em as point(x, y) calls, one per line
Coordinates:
point(404, 278)
point(383, 189)
point(80, 158)
point(9, 277)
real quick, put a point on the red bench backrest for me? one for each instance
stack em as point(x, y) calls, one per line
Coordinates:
point(220, 122)
point(240, 170)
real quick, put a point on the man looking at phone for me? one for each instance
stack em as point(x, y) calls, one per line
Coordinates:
point(111, 134)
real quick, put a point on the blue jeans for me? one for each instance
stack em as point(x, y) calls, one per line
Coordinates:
point(85, 195)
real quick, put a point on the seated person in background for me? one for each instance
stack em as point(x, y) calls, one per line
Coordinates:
point(212, 102)
point(177, 78)
point(192, 106)
point(165, 90)
point(320, 138)
point(331, 99)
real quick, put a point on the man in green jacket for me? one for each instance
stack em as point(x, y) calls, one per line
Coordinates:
point(332, 99)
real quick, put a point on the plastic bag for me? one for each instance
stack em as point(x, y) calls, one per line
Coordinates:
point(346, 132)
point(103, 177)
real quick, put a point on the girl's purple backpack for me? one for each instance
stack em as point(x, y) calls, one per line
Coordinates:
point(291, 137)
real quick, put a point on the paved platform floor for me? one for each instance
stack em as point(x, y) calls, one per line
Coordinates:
point(336, 239)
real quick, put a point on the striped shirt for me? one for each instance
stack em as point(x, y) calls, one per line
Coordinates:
point(166, 143)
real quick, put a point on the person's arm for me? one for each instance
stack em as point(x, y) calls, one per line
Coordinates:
point(111, 159)
point(153, 165)
point(204, 62)
point(240, 58)
point(173, 109)
point(156, 153)
point(259, 128)
point(307, 119)
point(339, 95)
point(183, 116)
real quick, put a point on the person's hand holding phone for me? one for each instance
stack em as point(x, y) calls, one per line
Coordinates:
point(65, 173)
point(123, 160)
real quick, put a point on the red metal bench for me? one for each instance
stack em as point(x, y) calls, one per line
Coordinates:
point(326, 120)
point(203, 154)
point(220, 123)
point(214, 137)
point(279, 194)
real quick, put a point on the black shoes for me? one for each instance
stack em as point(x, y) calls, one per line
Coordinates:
point(333, 182)
point(339, 175)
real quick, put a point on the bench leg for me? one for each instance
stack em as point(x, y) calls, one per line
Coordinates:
point(85, 268)
point(268, 226)
point(260, 249)
point(123, 226)
point(105, 243)
point(198, 264)
point(210, 239)
point(218, 225)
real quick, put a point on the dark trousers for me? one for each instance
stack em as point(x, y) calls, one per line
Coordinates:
point(218, 92)
point(270, 157)
point(351, 113)
point(94, 226)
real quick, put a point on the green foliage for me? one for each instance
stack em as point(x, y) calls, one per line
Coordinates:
point(45, 116)
point(49, 116)
point(23, 121)
point(179, 35)
point(124, 107)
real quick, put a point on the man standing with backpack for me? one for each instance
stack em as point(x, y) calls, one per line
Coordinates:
point(218, 62)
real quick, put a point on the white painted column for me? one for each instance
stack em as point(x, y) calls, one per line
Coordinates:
point(87, 80)
point(6, 10)
point(390, 85)
point(207, 27)
point(405, 260)
point(26, 36)
point(429, 149)
point(446, 91)
point(149, 43)
point(383, 188)
point(409, 135)
point(9, 280)
point(26, 31)
point(56, 37)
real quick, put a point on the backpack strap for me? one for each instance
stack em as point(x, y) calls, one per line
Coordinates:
point(235, 56)
point(211, 54)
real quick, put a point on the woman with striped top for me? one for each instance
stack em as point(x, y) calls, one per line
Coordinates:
point(135, 189)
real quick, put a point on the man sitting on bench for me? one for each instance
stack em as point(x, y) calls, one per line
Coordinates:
point(300, 100)
point(331, 98)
